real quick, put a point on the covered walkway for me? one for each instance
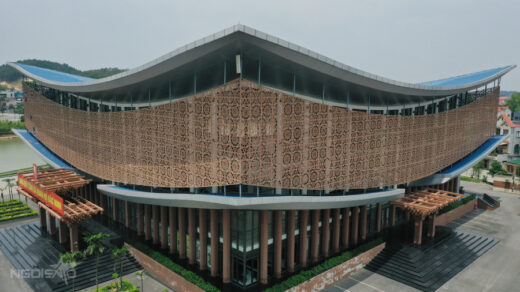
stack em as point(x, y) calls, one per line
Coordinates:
point(57, 193)
point(424, 205)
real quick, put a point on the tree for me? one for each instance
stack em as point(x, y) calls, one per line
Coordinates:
point(513, 103)
point(140, 275)
point(95, 247)
point(117, 255)
point(496, 168)
point(477, 168)
point(70, 258)
point(10, 186)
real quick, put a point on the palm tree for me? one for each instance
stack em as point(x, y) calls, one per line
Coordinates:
point(140, 275)
point(117, 255)
point(70, 258)
point(10, 185)
point(2, 189)
point(95, 247)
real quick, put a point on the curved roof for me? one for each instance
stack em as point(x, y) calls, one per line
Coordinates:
point(52, 75)
point(241, 35)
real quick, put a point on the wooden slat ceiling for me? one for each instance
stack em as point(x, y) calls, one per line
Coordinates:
point(426, 202)
point(56, 179)
point(76, 208)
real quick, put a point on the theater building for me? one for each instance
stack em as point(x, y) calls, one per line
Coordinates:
point(266, 156)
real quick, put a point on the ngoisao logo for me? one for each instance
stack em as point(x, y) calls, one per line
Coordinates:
point(60, 270)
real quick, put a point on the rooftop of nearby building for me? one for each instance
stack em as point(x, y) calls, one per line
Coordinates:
point(508, 121)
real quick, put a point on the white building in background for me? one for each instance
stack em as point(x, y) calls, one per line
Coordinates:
point(510, 148)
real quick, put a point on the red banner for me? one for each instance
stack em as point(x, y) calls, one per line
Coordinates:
point(49, 198)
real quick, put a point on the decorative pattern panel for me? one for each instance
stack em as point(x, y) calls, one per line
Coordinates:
point(244, 133)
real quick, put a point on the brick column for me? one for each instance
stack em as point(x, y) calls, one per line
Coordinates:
point(336, 230)
point(62, 232)
point(325, 233)
point(304, 219)
point(43, 218)
point(127, 214)
point(291, 225)
point(393, 214)
point(264, 233)
point(203, 236)
point(315, 235)
point(214, 241)
point(140, 219)
point(355, 225)
point(52, 224)
point(173, 229)
point(148, 222)
point(182, 232)
point(363, 225)
point(277, 240)
point(379, 217)
point(114, 209)
point(102, 203)
point(226, 250)
point(164, 227)
point(417, 232)
point(192, 232)
point(346, 227)
point(74, 245)
point(155, 216)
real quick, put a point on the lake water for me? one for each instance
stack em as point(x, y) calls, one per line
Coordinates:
point(15, 154)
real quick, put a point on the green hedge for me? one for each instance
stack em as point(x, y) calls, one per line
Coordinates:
point(305, 275)
point(458, 203)
point(6, 126)
point(167, 262)
point(15, 172)
point(470, 179)
point(126, 287)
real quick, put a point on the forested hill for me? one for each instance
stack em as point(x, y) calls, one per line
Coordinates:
point(9, 74)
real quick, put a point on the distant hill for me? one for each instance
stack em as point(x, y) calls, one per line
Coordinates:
point(9, 74)
point(506, 93)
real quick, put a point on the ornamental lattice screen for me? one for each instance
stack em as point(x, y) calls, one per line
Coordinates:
point(244, 133)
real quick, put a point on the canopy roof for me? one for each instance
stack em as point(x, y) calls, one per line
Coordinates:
point(242, 39)
point(426, 202)
point(63, 181)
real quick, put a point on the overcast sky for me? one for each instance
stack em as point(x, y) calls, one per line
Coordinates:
point(404, 40)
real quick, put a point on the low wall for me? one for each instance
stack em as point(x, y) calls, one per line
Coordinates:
point(447, 217)
point(163, 274)
point(339, 272)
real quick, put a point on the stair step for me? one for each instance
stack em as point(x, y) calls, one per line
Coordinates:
point(27, 246)
point(429, 268)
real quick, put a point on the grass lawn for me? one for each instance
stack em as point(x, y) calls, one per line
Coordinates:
point(470, 179)
point(13, 209)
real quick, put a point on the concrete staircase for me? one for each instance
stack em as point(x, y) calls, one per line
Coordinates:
point(487, 202)
point(427, 268)
point(29, 249)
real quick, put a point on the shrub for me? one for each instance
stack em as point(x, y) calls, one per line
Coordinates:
point(125, 287)
point(458, 203)
point(6, 126)
point(305, 275)
point(167, 262)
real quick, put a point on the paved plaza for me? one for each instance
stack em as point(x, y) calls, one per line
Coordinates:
point(496, 270)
